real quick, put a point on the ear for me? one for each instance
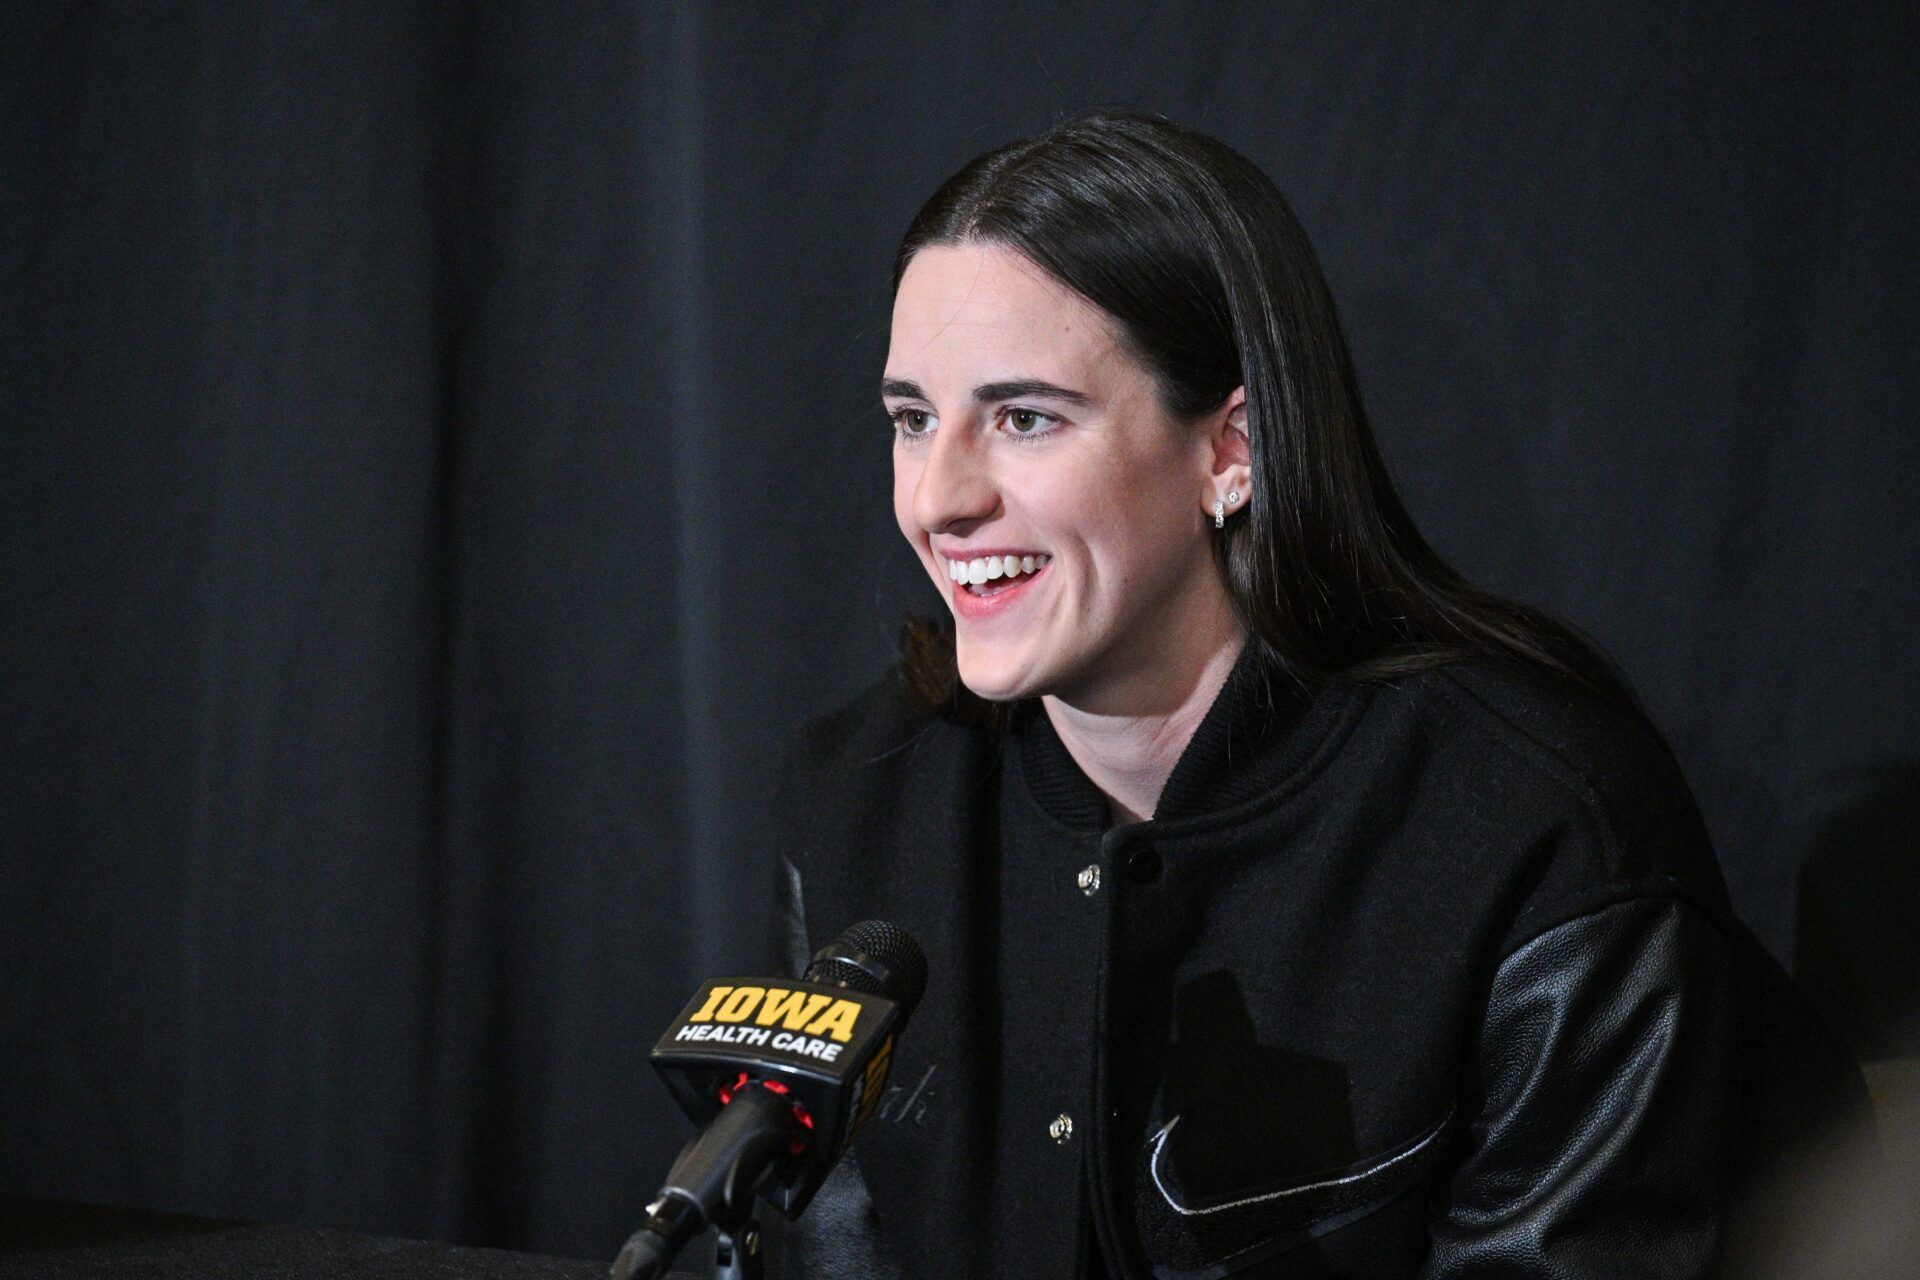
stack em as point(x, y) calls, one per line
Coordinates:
point(1230, 455)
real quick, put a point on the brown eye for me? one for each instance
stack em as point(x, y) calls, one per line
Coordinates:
point(1030, 422)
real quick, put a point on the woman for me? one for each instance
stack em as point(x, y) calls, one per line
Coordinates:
point(1292, 907)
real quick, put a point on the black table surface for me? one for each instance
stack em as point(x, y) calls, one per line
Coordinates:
point(52, 1238)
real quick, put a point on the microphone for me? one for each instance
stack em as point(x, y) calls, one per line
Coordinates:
point(779, 1075)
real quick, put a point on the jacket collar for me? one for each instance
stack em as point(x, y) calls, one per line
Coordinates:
point(1259, 730)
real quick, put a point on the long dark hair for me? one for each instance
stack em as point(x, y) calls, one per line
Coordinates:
point(1200, 260)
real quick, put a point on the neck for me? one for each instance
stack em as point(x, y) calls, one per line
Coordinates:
point(1128, 747)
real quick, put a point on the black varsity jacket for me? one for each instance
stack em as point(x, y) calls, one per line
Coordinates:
point(1431, 977)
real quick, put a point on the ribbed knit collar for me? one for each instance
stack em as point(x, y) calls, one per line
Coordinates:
point(1259, 729)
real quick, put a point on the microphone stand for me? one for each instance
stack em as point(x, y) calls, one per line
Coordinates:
point(713, 1183)
point(737, 1254)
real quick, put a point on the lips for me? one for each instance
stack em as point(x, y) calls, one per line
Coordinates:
point(977, 596)
point(991, 567)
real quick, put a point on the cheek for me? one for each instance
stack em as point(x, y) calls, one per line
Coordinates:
point(1134, 529)
point(1113, 506)
point(1081, 503)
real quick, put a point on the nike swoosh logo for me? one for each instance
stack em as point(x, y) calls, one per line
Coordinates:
point(1159, 1142)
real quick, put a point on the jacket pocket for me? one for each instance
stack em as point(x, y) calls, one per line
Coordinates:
point(1192, 1237)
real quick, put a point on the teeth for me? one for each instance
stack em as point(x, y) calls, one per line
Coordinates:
point(984, 569)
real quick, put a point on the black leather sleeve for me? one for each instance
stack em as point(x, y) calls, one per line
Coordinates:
point(1607, 1089)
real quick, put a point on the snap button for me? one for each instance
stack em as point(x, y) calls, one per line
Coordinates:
point(1061, 1129)
point(1143, 864)
point(1089, 880)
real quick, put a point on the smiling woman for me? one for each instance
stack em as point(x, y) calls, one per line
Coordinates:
point(1293, 907)
point(1025, 430)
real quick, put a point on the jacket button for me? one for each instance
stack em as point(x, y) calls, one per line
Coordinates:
point(1061, 1129)
point(1089, 879)
point(1143, 864)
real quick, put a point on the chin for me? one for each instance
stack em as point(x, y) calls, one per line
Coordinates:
point(995, 678)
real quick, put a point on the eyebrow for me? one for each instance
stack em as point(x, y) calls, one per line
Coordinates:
point(990, 392)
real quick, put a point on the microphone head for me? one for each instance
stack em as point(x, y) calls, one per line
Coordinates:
point(875, 957)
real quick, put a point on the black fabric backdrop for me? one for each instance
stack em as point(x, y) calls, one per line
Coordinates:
point(443, 460)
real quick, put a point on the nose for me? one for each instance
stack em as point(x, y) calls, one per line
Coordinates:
point(955, 491)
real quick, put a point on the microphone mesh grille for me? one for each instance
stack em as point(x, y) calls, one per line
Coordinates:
point(895, 949)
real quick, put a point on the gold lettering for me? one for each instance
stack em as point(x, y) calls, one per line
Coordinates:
point(876, 1081)
point(837, 1021)
point(740, 1004)
point(792, 1009)
point(713, 1002)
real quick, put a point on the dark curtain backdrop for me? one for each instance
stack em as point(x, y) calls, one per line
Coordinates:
point(442, 463)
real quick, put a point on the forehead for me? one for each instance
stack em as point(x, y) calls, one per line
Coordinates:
point(982, 309)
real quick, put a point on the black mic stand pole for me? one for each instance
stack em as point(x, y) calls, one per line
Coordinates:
point(737, 1254)
point(713, 1182)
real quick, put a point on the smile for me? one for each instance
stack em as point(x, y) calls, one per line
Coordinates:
point(986, 585)
point(984, 569)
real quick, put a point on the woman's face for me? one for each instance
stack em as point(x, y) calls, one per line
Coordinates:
point(1030, 441)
